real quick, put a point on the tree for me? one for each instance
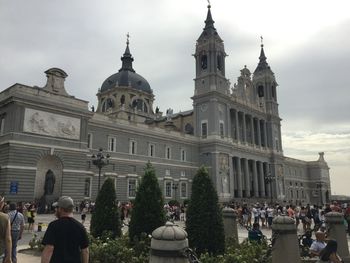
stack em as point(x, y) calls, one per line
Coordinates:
point(105, 217)
point(148, 209)
point(204, 224)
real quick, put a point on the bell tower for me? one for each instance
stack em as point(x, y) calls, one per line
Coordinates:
point(266, 89)
point(210, 60)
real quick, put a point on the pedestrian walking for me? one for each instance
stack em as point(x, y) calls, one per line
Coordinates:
point(17, 227)
point(5, 235)
point(65, 239)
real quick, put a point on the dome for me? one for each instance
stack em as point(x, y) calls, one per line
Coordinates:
point(126, 75)
point(126, 78)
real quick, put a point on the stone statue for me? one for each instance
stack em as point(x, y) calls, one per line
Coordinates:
point(225, 182)
point(49, 182)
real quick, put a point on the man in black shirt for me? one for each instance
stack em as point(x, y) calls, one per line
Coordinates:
point(65, 239)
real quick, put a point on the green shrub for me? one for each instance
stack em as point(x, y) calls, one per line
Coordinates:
point(148, 209)
point(106, 213)
point(204, 223)
point(107, 250)
point(246, 252)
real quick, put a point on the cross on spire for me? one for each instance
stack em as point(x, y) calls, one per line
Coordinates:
point(127, 38)
point(262, 41)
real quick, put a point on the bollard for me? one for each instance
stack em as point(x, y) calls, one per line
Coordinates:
point(40, 226)
point(336, 230)
point(168, 244)
point(285, 241)
point(229, 217)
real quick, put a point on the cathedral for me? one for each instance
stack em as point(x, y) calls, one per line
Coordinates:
point(52, 144)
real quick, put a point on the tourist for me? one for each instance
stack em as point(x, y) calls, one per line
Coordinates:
point(329, 253)
point(5, 235)
point(255, 233)
point(318, 244)
point(31, 217)
point(65, 239)
point(17, 227)
point(270, 214)
point(347, 216)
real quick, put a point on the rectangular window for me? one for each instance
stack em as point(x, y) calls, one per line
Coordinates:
point(222, 130)
point(167, 172)
point(2, 125)
point(168, 152)
point(87, 187)
point(89, 141)
point(183, 174)
point(168, 193)
point(183, 190)
point(133, 145)
point(183, 155)
point(112, 144)
point(132, 184)
point(204, 130)
point(151, 148)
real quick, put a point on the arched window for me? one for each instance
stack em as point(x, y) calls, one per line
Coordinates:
point(204, 61)
point(219, 62)
point(261, 91)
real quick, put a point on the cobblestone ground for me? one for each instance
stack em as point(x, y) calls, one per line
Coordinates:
point(47, 218)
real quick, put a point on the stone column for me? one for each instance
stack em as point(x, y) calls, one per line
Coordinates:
point(285, 241)
point(259, 133)
point(255, 178)
point(244, 128)
point(229, 217)
point(336, 231)
point(168, 243)
point(239, 177)
point(237, 126)
point(247, 179)
point(232, 180)
point(262, 179)
point(265, 134)
point(252, 129)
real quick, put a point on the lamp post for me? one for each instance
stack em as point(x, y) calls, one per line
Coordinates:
point(99, 160)
point(175, 186)
point(319, 187)
point(268, 180)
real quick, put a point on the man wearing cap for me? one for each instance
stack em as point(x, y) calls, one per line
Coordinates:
point(5, 235)
point(65, 239)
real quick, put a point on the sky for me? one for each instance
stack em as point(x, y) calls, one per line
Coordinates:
point(307, 45)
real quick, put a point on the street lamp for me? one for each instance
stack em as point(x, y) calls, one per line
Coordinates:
point(99, 160)
point(319, 186)
point(175, 186)
point(268, 180)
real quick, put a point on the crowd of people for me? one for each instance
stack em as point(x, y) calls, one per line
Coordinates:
point(308, 219)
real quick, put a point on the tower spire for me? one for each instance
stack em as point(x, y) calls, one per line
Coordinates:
point(209, 22)
point(127, 58)
point(262, 58)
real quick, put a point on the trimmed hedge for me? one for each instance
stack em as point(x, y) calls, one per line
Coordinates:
point(204, 223)
point(105, 217)
point(148, 208)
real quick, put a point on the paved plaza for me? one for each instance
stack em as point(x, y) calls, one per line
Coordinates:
point(47, 218)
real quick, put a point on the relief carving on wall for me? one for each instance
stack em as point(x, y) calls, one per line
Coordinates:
point(51, 124)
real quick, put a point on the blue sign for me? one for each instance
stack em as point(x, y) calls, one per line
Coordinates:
point(14, 187)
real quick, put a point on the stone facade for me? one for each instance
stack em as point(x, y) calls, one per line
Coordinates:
point(234, 131)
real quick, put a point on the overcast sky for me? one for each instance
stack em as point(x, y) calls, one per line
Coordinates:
point(307, 44)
